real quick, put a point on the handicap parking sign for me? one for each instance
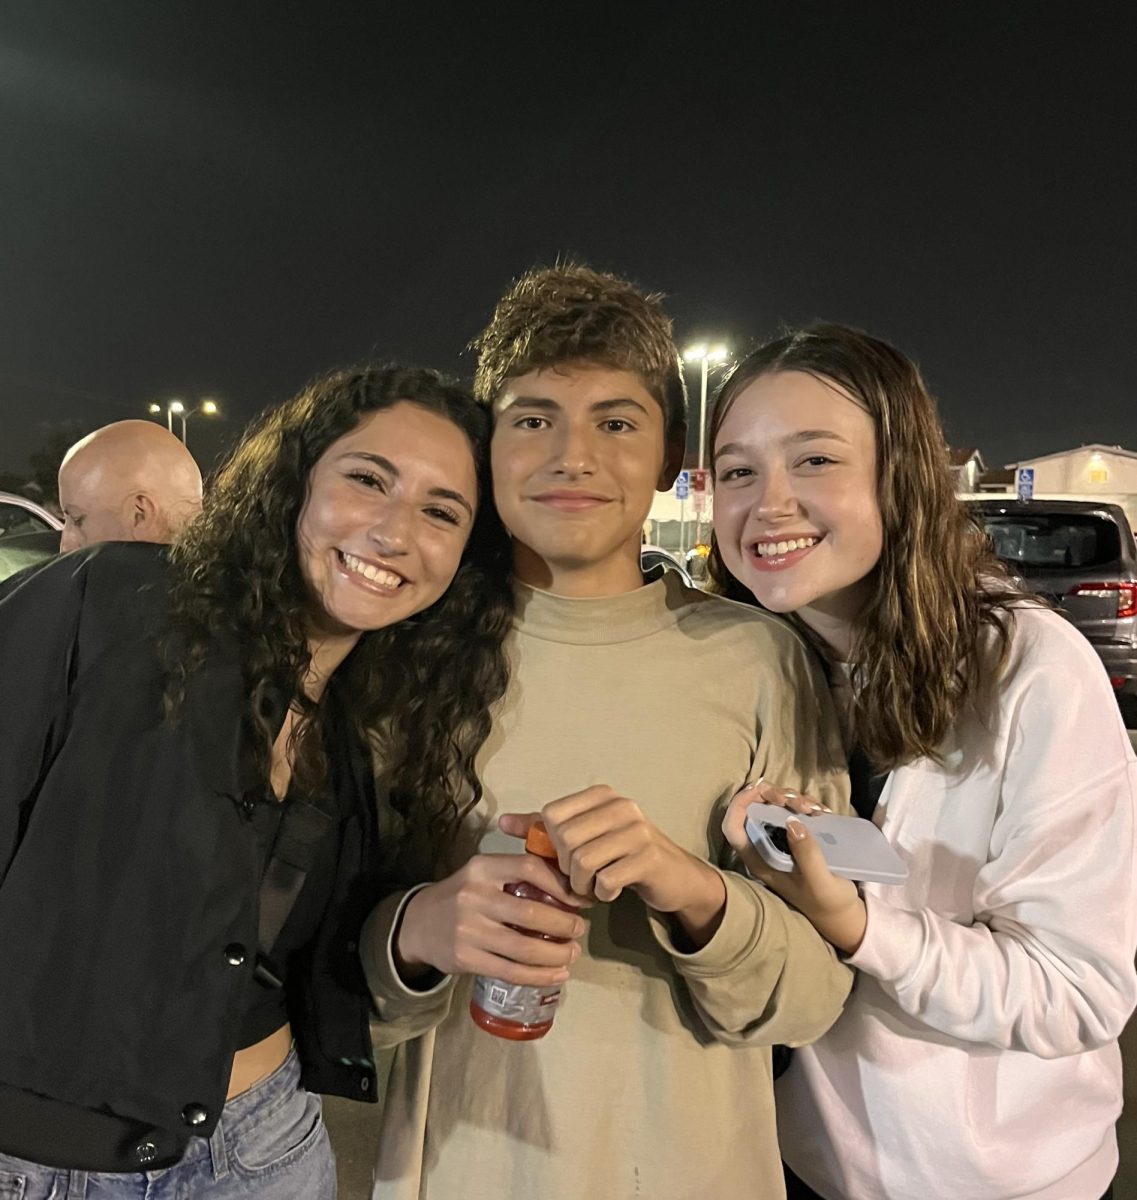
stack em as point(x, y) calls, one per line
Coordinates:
point(683, 485)
point(1024, 482)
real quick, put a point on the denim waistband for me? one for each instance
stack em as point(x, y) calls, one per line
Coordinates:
point(250, 1106)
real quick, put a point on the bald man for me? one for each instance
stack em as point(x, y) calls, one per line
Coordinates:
point(127, 482)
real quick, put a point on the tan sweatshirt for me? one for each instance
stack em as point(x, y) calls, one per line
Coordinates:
point(655, 1080)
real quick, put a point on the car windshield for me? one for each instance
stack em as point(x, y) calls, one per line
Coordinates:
point(1053, 541)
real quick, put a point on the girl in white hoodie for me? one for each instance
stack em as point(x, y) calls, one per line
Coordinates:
point(977, 1057)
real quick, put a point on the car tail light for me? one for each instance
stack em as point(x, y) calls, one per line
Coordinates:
point(1126, 594)
point(1116, 682)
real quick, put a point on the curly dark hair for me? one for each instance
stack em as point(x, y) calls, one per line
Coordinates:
point(570, 313)
point(934, 637)
point(419, 690)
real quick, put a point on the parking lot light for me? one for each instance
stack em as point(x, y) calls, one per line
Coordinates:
point(177, 408)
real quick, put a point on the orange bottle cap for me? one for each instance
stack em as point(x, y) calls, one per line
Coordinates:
point(537, 841)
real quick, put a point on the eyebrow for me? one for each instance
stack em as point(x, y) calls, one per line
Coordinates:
point(385, 464)
point(802, 435)
point(817, 435)
point(546, 404)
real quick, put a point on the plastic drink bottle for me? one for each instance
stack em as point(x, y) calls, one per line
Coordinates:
point(517, 1011)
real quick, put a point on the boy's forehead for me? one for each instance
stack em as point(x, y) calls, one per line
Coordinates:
point(575, 384)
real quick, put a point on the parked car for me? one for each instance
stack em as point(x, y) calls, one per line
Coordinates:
point(28, 533)
point(1081, 556)
point(655, 556)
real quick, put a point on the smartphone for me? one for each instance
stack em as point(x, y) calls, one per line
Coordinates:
point(853, 847)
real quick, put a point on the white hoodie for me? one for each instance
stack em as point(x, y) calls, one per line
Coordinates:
point(977, 1056)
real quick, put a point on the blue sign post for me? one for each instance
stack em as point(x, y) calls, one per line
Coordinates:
point(1024, 482)
point(683, 485)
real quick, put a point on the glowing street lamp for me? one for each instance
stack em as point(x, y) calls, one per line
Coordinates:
point(705, 355)
point(175, 408)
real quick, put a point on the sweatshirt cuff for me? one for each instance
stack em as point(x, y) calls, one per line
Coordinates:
point(893, 942)
point(377, 953)
point(739, 931)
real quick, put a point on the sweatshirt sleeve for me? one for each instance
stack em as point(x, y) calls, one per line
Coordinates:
point(799, 741)
point(1046, 966)
point(39, 619)
point(404, 1012)
point(767, 976)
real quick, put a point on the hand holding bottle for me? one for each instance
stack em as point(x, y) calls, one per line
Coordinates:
point(467, 924)
point(605, 843)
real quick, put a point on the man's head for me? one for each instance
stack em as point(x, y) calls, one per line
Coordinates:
point(127, 482)
point(590, 419)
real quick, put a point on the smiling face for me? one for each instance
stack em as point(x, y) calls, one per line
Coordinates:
point(389, 510)
point(578, 452)
point(795, 505)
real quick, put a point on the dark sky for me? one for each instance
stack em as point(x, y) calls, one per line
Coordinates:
point(225, 198)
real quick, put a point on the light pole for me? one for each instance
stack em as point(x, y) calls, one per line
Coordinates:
point(704, 355)
point(177, 408)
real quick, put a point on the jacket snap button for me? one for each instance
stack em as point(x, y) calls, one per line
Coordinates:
point(194, 1114)
point(235, 954)
point(146, 1152)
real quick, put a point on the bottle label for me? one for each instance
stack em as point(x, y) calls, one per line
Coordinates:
point(516, 1002)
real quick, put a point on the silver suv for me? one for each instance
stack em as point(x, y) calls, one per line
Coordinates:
point(1081, 556)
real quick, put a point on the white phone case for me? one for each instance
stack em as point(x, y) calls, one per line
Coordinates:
point(853, 847)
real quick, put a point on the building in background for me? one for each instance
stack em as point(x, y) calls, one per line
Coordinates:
point(1087, 471)
point(967, 468)
point(1094, 472)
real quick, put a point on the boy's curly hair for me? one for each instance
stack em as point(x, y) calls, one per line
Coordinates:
point(568, 313)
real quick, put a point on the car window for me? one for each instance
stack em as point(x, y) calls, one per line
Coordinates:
point(1053, 541)
point(15, 519)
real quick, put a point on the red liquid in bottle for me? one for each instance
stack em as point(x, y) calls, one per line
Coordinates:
point(514, 1011)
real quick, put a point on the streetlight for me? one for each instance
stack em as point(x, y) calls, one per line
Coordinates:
point(704, 355)
point(177, 408)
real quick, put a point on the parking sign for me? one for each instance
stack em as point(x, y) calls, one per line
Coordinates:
point(683, 485)
point(1024, 482)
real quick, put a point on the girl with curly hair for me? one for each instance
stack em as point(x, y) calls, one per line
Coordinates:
point(977, 1055)
point(188, 826)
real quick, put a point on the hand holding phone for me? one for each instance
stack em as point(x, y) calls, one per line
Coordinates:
point(852, 847)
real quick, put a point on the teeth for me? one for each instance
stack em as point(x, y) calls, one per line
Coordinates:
point(375, 574)
point(767, 549)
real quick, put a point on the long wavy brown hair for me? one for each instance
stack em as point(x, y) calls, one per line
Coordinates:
point(934, 636)
point(420, 689)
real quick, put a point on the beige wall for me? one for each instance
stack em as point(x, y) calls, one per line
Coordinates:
point(1085, 472)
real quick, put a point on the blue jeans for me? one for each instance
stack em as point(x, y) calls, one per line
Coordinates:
point(270, 1142)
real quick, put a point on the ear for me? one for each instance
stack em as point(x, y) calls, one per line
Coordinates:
point(145, 520)
point(673, 451)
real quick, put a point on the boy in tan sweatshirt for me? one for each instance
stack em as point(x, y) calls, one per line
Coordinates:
point(637, 708)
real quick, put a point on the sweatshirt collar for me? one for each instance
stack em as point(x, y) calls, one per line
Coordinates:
point(601, 620)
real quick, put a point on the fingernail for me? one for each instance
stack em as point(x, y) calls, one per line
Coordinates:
point(816, 808)
point(575, 951)
point(825, 808)
point(795, 829)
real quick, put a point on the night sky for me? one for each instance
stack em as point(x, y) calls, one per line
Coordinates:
point(226, 198)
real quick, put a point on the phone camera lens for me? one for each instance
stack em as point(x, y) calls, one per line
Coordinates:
point(778, 837)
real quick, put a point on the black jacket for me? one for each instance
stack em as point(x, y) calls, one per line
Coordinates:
point(129, 870)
